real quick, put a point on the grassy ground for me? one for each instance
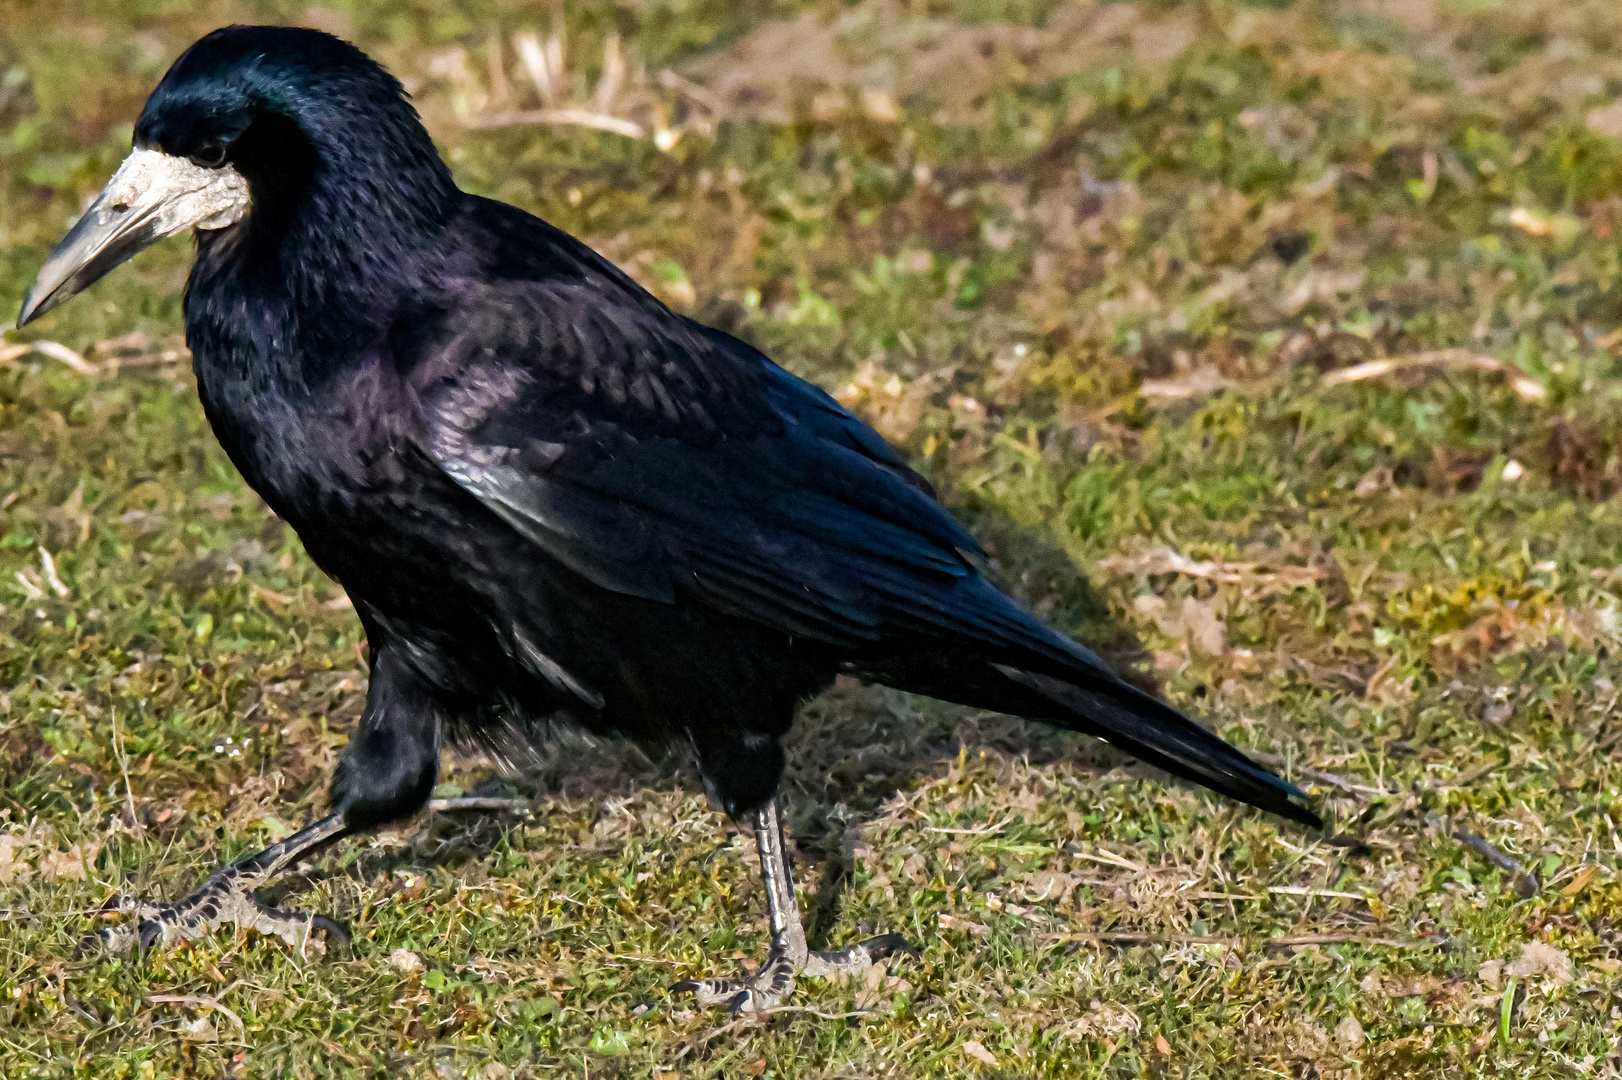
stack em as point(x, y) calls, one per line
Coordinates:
point(1290, 325)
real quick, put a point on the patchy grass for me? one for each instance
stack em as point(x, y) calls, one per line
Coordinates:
point(1293, 325)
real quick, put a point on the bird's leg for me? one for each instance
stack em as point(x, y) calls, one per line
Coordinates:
point(227, 897)
point(788, 955)
point(386, 774)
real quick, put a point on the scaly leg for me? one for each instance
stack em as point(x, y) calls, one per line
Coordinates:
point(788, 955)
point(227, 897)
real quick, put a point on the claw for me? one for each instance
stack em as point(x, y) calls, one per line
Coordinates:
point(887, 945)
point(97, 941)
point(332, 928)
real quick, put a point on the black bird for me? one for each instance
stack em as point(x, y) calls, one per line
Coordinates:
point(551, 499)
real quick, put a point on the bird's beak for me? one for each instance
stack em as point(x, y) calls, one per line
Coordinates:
point(153, 195)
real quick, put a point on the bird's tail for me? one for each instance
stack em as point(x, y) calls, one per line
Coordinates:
point(1153, 731)
point(1048, 677)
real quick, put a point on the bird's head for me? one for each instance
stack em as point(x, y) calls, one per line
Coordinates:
point(252, 124)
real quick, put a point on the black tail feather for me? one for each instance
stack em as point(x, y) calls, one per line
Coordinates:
point(1126, 717)
point(1091, 700)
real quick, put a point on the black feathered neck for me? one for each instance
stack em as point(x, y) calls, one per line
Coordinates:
point(349, 193)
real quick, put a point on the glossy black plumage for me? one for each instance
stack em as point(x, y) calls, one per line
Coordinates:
point(550, 497)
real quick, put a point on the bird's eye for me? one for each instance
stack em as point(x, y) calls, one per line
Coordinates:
point(209, 157)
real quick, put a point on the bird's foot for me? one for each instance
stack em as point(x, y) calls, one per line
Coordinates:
point(773, 984)
point(225, 898)
point(766, 989)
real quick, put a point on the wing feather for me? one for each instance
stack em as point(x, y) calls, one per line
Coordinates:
point(660, 458)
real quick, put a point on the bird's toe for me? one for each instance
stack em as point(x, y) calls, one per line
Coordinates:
point(856, 959)
point(887, 945)
point(149, 933)
point(110, 939)
point(761, 992)
point(773, 985)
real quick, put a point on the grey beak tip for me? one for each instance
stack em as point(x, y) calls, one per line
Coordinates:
point(29, 311)
point(39, 301)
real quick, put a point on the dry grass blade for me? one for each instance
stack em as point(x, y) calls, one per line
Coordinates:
point(124, 770)
point(25, 915)
point(47, 564)
point(76, 361)
point(613, 77)
point(1207, 380)
point(675, 80)
point(30, 590)
point(1301, 890)
point(53, 349)
point(762, 1018)
point(576, 117)
point(1116, 937)
point(606, 107)
point(554, 62)
point(1524, 882)
point(705, 1039)
point(1164, 560)
point(466, 803)
point(543, 63)
point(533, 56)
point(500, 89)
point(1453, 359)
point(1109, 858)
point(200, 1001)
point(978, 830)
point(58, 351)
point(1329, 779)
point(270, 596)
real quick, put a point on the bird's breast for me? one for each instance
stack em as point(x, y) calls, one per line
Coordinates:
point(340, 461)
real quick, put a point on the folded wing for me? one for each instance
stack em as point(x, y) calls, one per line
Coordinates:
point(664, 460)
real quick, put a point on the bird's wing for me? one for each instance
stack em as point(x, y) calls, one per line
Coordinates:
point(656, 457)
